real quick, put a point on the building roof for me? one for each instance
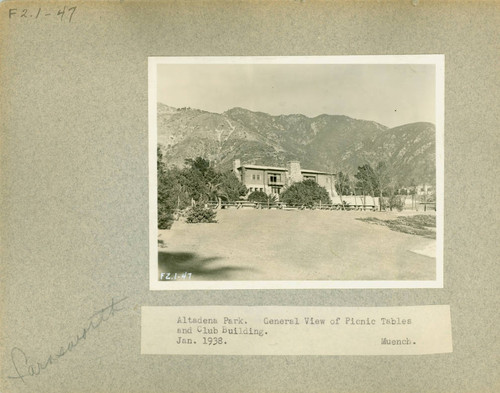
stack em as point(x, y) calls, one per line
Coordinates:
point(272, 168)
point(317, 172)
point(276, 168)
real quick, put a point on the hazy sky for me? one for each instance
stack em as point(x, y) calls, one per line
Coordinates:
point(388, 94)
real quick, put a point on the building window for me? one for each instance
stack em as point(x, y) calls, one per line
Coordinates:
point(274, 178)
point(261, 190)
point(258, 177)
point(250, 189)
point(310, 178)
point(253, 177)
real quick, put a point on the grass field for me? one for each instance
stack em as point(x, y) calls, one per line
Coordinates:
point(296, 245)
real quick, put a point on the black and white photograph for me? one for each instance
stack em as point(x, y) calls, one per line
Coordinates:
point(296, 172)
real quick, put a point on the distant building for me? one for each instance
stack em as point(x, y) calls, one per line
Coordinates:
point(425, 189)
point(420, 190)
point(272, 180)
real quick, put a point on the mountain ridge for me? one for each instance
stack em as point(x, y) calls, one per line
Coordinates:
point(324, 142)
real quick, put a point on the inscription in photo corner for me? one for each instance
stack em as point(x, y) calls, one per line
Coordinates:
point(62, 14)
point(168, 276)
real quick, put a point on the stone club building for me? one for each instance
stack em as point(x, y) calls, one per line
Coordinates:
point(272, 180)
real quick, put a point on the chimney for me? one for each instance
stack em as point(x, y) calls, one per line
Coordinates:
point(294, 172)
point(236, 165)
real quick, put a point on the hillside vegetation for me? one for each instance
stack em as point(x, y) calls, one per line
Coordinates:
point(326, 142)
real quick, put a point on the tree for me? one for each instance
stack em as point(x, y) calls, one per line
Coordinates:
point(376, 182)
point(306, 193)
point(258, 196)
point(367, 180)
point(387, 185)
point(164, 199)
point(343, 184)
point(384, 179)
point(229, 187)
point(199, 164)
point(199, 179)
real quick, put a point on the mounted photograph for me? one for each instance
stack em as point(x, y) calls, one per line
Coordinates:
point(296, 172)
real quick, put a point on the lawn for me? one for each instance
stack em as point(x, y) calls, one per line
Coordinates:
point(295, 245)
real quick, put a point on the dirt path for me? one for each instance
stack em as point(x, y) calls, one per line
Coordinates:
point(295, 245)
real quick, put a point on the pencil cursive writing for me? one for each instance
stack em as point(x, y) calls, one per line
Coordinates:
point(26, 368)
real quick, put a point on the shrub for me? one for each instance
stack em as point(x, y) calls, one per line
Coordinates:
point(165, 217)
point(421, 225)
point(306, 193)
point(200, 214)
point(258, 196)
point(396, 202)
point(161, 243)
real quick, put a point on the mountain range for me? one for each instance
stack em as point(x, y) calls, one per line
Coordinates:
point(326, 142)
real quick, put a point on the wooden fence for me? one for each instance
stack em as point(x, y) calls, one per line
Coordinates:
point(347, 203)
point(284, 206)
